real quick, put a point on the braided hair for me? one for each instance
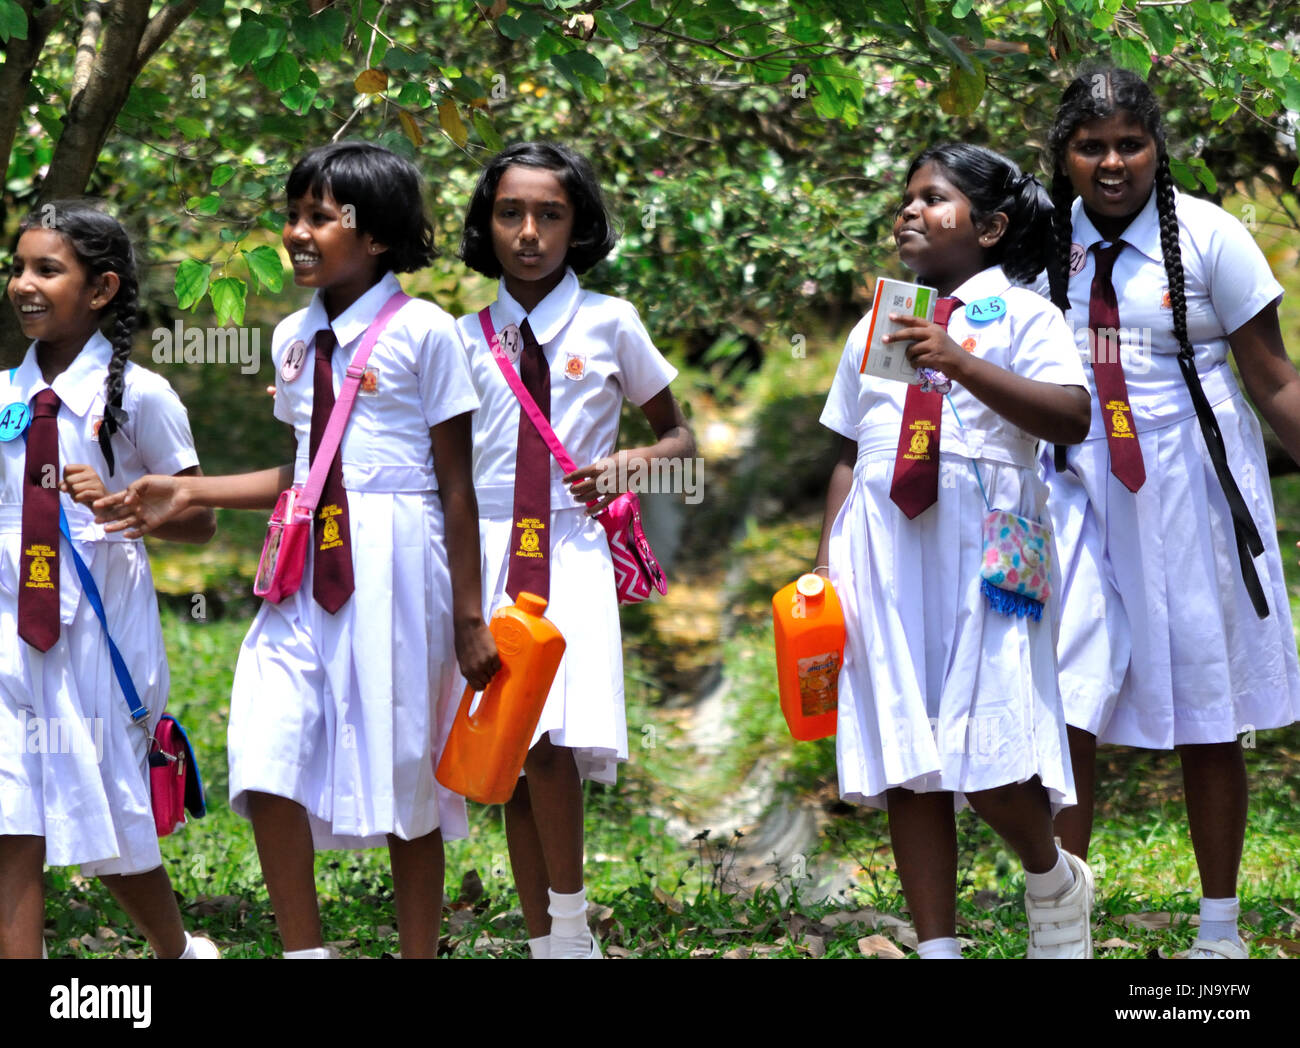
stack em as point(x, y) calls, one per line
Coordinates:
point(101, 246)
point(1095, 95)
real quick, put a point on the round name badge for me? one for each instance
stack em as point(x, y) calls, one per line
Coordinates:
point(13, 420)
point(510, 341)
point(294, 357)
point(1078, 255)
point(982, 310)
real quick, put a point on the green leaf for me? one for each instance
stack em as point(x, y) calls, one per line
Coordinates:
point(209, 205)
point(299, 98)
point(964, 92)
point(191, 128)
point(619, 28)
point(588, 65)
point(1160, 28)
point(1222, 109)
point(247, 41)
point(1131, 54)
point(191, 282)
point(271, 220)
point(228, 297)
point(962, 8)
point(564, 63)
point(945, 44)
point(222, 174)
point(1204, 175)
point(1182, 173)
point(230, 235)
point(13, 21)
point(1291, 95)
point(487, 132)
point(510, 27)
point(264, 263)
point(333, 25)
point(1278, 63)
point(279, 72)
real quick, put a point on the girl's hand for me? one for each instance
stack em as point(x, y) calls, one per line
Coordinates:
point(598, 482)
point(82, 483)
point(476, 651)
point(931, 347)
point(143, 507)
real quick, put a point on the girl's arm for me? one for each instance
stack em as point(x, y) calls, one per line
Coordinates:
point(1057, 414)
point(476, 651)
point(196, 525)
point(1269, 376)
point(157, 501)
point(836, 492)
point(605, 479)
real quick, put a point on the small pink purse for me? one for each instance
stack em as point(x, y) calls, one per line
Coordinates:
point(636, 569)
point(284, 552)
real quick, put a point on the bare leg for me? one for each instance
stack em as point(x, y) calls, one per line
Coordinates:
point(148, 900)
point(1021, 815)
point(22, 889)
point(556, 794)
point(923, 833)
point(1074, 825)
point(1214, 781)
point(527, 861)
point(418, 873)
point(285, 849)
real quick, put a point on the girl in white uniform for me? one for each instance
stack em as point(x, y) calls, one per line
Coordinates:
point(535, 220)
point(336, 718)
point(1162, 642)
point(942, 699)
point(74, 775)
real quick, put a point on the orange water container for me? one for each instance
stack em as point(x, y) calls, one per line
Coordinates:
point(809, 653)
point(486, 749)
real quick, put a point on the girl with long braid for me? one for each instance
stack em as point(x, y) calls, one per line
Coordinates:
point(77, 419)
point(1176, 628)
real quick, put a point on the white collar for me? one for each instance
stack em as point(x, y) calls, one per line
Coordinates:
point(549, 316)
point(354, 320)
point(987, 283)
point(78, 384)
point(1143, 233)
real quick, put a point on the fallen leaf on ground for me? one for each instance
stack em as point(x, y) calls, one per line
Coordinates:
point(703, 951)
point(672, 902)
point(879, 946)
point(1116, 944)
point(1287, 945)
point(617, 951)
point(737, 953)
point(1152, 921)
point(816, 946)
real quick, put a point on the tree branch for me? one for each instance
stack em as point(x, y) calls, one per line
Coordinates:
point(92, 25)
point(160, 27)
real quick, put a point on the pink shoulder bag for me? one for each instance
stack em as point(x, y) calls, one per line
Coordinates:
point(284, 553)
point(636, 571)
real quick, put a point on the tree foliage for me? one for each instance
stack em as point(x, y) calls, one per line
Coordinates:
point(751, 150)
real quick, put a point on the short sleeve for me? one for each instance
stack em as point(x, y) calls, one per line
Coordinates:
point(446, 389)
point(159, 426)
point(1044, 349)
point(280, 342)
point(841, 413)
point(643, 370)
point(1237, 274)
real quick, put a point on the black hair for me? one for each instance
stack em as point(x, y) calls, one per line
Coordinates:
point(593, 233)
point(992, 183)
point(382, 187)
point(1094, 95)
point(101, 246)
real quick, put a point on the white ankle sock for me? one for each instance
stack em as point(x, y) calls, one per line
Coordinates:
point(1056, 881)
point(188, 953)
point(316, 953)
point(568, 913)
point(540, 948)
point(1219, 919)
point(939, 950)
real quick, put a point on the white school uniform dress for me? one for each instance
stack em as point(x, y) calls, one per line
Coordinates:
point(938, 691)
point(599, 353)
point(346, 713)
point(1160, 645)
point(73, 766)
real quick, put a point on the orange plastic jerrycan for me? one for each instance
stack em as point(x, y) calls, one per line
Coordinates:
point(486, 749)
point(809, 653)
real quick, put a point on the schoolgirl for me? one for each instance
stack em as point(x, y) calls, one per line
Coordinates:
point(942, 698)
point(536, 221)
point(1177, 628)
point(339, 689)
point(77, 419)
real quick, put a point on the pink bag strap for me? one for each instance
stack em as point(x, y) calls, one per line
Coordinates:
point(526, 401)
point(338, 421)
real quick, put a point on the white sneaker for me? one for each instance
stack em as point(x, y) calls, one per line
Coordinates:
point(581, 947)
point(1061, 928)
point(1216, 950)
point(539, 949)
point(198, 948)
point(316, 953)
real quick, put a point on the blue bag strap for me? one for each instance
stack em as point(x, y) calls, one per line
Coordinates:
point(138, 710)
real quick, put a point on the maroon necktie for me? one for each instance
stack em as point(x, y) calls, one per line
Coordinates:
point(1112, 390)
point(530, 539)
point(332, 582)
point(38, 594)
point(916, 465)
